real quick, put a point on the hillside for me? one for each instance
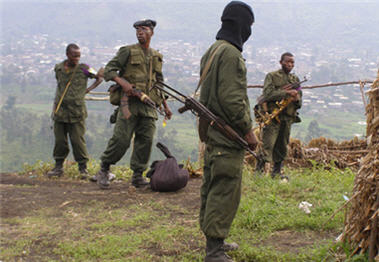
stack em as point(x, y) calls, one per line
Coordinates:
point(68, 219)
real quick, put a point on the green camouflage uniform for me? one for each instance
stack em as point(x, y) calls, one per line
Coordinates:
point(135, 65)
point(224, 92)
point(70, 118)
point(275, 136)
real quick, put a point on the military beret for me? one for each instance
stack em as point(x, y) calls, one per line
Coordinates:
point(146, 22)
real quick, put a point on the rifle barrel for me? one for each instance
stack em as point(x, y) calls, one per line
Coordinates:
point(172, 89)
point(170, 94)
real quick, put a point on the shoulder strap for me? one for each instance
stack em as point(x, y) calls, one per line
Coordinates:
point(206, 68)
point(150, 71)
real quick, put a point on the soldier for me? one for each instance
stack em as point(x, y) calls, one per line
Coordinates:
point(135, 66)
point(69, 111)
point(275, 136)
point(224, 92)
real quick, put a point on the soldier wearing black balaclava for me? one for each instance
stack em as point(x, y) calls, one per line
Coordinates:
point(224, 92)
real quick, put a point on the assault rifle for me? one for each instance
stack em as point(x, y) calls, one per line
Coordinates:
point(205, 114)
point(124, 101)
point(267, 118)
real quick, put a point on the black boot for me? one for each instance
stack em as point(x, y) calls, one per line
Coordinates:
point(276, 170)
point(103, 176)
point(57, 171)
point(83, 171)
point(138, 180)
point(215, 251)
point(260, 166)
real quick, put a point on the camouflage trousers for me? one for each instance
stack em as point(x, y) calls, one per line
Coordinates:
point(143, 129)
point(76, 133)
point(221, 189)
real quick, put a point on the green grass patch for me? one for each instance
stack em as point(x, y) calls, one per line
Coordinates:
point(150, 226)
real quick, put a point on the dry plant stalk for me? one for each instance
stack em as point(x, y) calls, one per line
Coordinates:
point(361, 225)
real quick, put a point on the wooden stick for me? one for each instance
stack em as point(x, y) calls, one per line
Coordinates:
point(99, 93)
point(91, 98)
point(324, 85)
point(341, 207)
point(362, 86)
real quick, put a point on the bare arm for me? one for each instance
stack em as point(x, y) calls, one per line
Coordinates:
point(99, 78)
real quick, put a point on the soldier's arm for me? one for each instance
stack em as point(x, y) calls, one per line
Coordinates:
point(99, 78)
point(115, 65)
point(270, 92)
point(232, 93)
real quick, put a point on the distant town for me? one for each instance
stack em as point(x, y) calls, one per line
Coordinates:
point(31, 60)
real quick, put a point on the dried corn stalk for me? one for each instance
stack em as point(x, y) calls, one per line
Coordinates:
point(361, 225)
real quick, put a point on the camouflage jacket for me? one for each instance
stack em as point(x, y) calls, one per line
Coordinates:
point(73, 107)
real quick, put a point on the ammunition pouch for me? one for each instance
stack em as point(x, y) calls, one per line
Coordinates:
point(115, 92)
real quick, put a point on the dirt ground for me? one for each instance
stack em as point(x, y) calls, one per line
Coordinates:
point(21, 195)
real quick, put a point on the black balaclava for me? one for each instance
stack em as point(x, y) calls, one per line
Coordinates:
point(236, 19)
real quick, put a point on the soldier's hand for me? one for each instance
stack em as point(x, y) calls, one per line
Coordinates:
point(251, 139)
point(126, 86)
point(168, 113)
point(292, 93)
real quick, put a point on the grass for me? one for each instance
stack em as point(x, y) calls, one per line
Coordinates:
point(269, 226)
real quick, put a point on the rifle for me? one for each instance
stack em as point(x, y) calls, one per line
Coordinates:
point(267, 118)
point(204, 113)
point(124, 101)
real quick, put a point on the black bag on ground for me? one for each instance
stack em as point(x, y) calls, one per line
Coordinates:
point(167, 175)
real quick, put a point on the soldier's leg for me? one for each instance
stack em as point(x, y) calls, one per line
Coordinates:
point(78, 143)
point(120, 140)
point(117, 146)
point(221, 193)
point(269, 136)
point(280, 148)
point(205, 184)
point(224, 191)
point(79, 147)
point(61, 148)
point(143, 140)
